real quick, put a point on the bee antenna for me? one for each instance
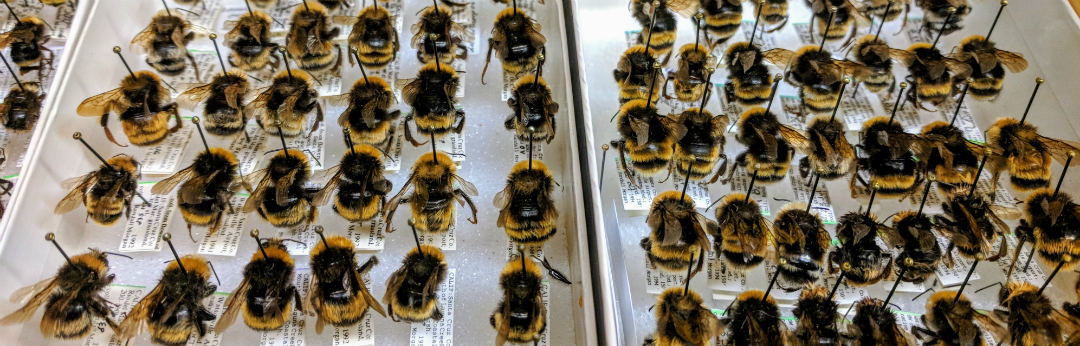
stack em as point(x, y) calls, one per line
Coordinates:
point(1064, 258)
point(167, 237)
point(295, 241)
point(313, 157)
point(824, 34)
point(357, 55)
point(51, 237)
point(757, 18)
point(213, 38)
point(255, 234)
point(78, 136)
point(116, 49)
point(416, 238)
point(195, 120)
point(1000, 9)
point(774, 276)
point(952, 10)
point(13, 74)
point(689, 270)
point(117, 254)
point(840, 97)
point(751, 187)
point(886, 14)
point(285, 57)
point(1038, 82)
point(211, 264)
point(896, 106)
point(967, 84)
point(1063, 170)
point(248, 4)
point(813, 191)
point(652, 23)
point(281, 134)
point(12, 11)
point(162, 3)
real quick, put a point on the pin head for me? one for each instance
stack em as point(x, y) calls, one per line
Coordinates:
point(195, 120)
point(693, 158)
point(213, 36)
point(877, 186)
point(346, 130)
point(970, 80)
point(779, 76)
point(782, 260)
point(254, 233)
point(116, 49)
point(846, 266)
point(712, 69)
point(281, 49)
point(991, 151)
point(433, 36)
point(1072, 153)
point(833, 9)
point(1004, 3)
point(521, 247)
point(655, 65)
point(909, 262)
point(78, 135)
point(820, 170)
point(540, 56)
point(319, 229)
point(277, 123)
point(656, 3)
point(50, 236)
point(1066, 258)
point(951, 10)
point(847, 80)
point(604, 147)
point(166, 236)
point(931, 176)
point(1039, 80)
point(903, 85)
point(700, 15)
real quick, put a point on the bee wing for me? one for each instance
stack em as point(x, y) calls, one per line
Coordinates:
point(537, 38)
point(1015, 62)
point(77, 194)
point(796, 139)
point(861, 20)
point(366, 294)
point(410, 91)
point(720, 124)
point(459, 31)
point(168, 184)
point(257, 107)
point(982, 240)
point(257, 194)
point(889, 235)
point(393, 283)
point(503, 332)
point(327, 191)
point(102, 103)
point(779, 57)
point(685, 8)
point(466, 186)
point(346, 20)
point(641, 130)
point(136, 321)
point(192, 97)
point(195, 190)
point(856, 70)
point(1060, 149)
point(232, 306)
point(996, 329)
point(503, 198)
point(393, 203)
point(1000, 212)
point(770, 143)
point(143, 40)
point(281, 187)
point(959, 69)
point(417, 40)
point(901, 56)
point(6, 39)
point(341, 100)
point(33, 296)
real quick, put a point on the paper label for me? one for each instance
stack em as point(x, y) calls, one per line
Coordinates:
point(216, 304)
point(363, 333)
point(764, 42)
point(741, 182)
point(848, 294)
point(391, 72)
point(453, 144)
point(292, 333)
point(904, 286)
point(964, 120)
point(304, 236)
point(698, 191)
point(793, 115)
point(10, 140)
point(915, 32)
point(314, 146)
point(226, 240)
point(545, 295)
point(906, 320)
point(534, 251)
point(123, 298)
point(722, 278)
point(147, 222)
point(731, 108)
point(933, 201)
point(634, 198)
point(906, 115)
point(326, 82)
point(393, 161)
point(779, 292)
point(459, 66)
point(521, 150)
point(855, 109)
point(508, 82)
point(248, 152)
point(441, 332)
point(802, 187)
point(954, 276)
point(657, 280)
point(164, 157)
point(464, 15)
point(1034, 273)
point(805, 36)
point(61, 24)
point(1002, 197)
point(631, 37)
point(205, 13)
point(368, 235)
point(445, 240)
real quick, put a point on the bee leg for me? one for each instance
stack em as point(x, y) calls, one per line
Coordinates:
point(408, 132)
point(336, 71)
point(948, 255)
point(461, 121)
point(462, 195)
point(778, 27)
point(720, 170)
point(195, 66)
point(108, 133)
point(922, 333)
point(437, 314)
point(175, 111)
point(491, 46)
point(621, 146)
point(663, 90)
point(371, 262)
point(318, 118)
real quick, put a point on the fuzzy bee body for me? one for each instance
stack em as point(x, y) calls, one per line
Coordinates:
point(874, 53)
point(22, 107)
point(935, 12)
point(843, 20)
point(698, 152)
point(165, 43)
point(857, 233)
point(817, 317)
point(173, 311)
point(411, 290)
point(635, 75)
point(951, 322)
point(691, 79)
point(768, 152)
point(520, 316)
point(334, 5)
point(310, 37)
point(742, 234)
point(1031, 318)
point(250, 43)
point(646, 136)
point(988, 65)
point(952, 159)
point(436, 187)
point(358, 185)
point(72, 298)
point(682, 319)
point(774, 13)
point(919, 244)
point(207, 186)
point(26, 40)
point(874, 324)
point(338, 293)
point(827, 150)
point(678, 233)
point(289, 99)
point(817, 76)
point(266, 294)
point(374, 37)
point(803, 242)
point(931, 73)
point(368, 116)
point(877, 9)
point(432, 98)
point(722, 18)
point(224, 98)
point(1054, 219)
point(1018, 148)
point(534, 110)
point(526, 210)
point(517, 41)
point(279, 194)
point(449, 39)
point(106, 192)
point(889, 160)
point(972, 226)
point(754, 319)
point(663, 29)
point(131, 102)
point(749, 81)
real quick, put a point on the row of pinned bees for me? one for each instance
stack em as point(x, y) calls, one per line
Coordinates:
point(173, 312)
point(899, 165)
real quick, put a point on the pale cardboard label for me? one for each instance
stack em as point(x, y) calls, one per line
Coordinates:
point(313, 145)
point(545, 295)
point(955, 275)
point(521, 150)
point(292, 333)
point(248, 152)
point(123, 298)
point(165, 157)
point(459, 66)
point(304, 236)
point(208, 67)
point(848, 294)
point(368, 235)
point(326, 83)
point(855, 109)
point(723, 278)
point(363, 333)
point(453, 145)
point(147, 222)
point(793, 114)
point(698, 191)
point(441, 332)
point(964, 120)
point(906, 115)
point(445, 240)
point(639, 197)
point(764, 41)
point(821, 205)
point(227, 239)
point(534, 251)
point(657, 280)
point(205, 13)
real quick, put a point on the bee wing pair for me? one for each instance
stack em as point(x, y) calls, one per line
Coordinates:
point(315, 301)
point(33, 296)
point(7, 38)
point(261, 180)
point(987, 60)
point(103, 103)
point(685, 8)
point(503, 199)
point(234, 96)
point(455, 31)
point(195, 191)
point(254, 28)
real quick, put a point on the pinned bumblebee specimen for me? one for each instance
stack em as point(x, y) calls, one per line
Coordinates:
point(368, 117)
point(889, 156)
point(802, 242)
point(205, 187)
point(943, 16)
point(310, 37)
point(437, 37)
point(817, 75)
point(520, 316)
point(249, 40)
point(698, 152)
point(224, 97)
point(173, 311)
point(357, 186)
point(22, 105)
point(27, 42)
point(950, 320)
point(534, 109)
point(165, 42)
point(839, 18)
point(1018, 148)
point(874, 53)
point(1053, 218)
point(1031, 318)
point(106, 192)
point(334, 5)
point(827, 150)
point(887, 10)
point(683, 319)
point(73, 297)
point(659, 23)
point(646, 136)
point(874, 325)
point(919, 244)
point(742, 236)
point(141, 102)
point(432, 96)
point(972, 225)
point(526, 210)
point(858, 233)
point(337, 293)
point(279, 195)
point(988, 65)
point(691, 79)
point(637, 74)
point(411, 290)
point(266, 294)
point(435, 187)
point(774, 12)
point(722, 19)
point(517, 41)
point(749, 82)
point(768, 150)
point(283, 107)
point(373, 36)
point(754, 319)
point(931, 73)
point(677, 233)
point(950, 157)
point(817, 316)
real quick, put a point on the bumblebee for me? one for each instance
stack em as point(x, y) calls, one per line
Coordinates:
point(72, 298)
point(1017, 147)
point(526, 210)
point(919, 244)
point(742, 235)
point(22, 107)
point(677, 233)
point(802, 242)
point(517, 41)
point(334, 5)
point(817, 76)
point(411, 290)
point(858, 233)
point(27, 42)
point(447, 42)
point(952, 159)
point(889, 158)
point(207, 186)
point(250, 43)
point(289, 99)
point(659, 23)
point(971, 225)
point(951, 321)
point(874, 324)
point(106, 192)
point(337, 293)
point(432, 98)
point(846, 18)
point(290, 203)
point(882, 9)
point(637, 75)
point(931, 73)
point(534, 110)
point(768, 151)
point(435, 187)
point(683, 319)
point(827, 150)
point(774, 13)
point(754, 319)
point(224, 97)
point(988, 65)
point(143, 105)
point(749, 82)
point(698, 152)
point(521, 316)
point(310, 37)
point(266, 294)
point(646, 136)
point(373, 36)
point(691, 80)
point(357, 186)
point(1030, 317)
point(936, 16)
point(816, 313)
point(722, 19)
point(368, 116)
point(875, 54)
point(1054, 219)
point(165, 42)
point(173, 311)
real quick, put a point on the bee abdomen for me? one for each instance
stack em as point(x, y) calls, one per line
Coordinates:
point(986, 88)
point(818, 101)
point(25, 54)
point(356, 209)
point(222, 120)
point(933, 91)
point(724, 24)
point(749, 94)
point(288, 216)
point(167, 66)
